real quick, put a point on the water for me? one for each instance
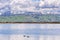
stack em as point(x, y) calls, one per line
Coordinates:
point(29, 31)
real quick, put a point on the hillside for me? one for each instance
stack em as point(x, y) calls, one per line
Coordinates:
point(31, 18)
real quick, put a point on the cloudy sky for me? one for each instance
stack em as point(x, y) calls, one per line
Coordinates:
point(25, 5)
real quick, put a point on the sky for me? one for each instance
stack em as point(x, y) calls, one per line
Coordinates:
point(25, 5)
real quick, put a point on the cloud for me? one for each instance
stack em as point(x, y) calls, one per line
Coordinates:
point(24, 5)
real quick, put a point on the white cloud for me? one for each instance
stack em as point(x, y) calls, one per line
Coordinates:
point(30, 6)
